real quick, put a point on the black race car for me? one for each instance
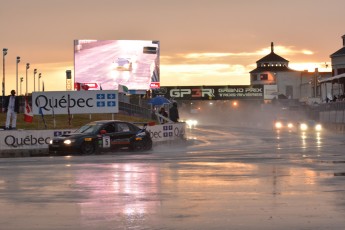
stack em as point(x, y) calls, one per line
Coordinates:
point(102, 136)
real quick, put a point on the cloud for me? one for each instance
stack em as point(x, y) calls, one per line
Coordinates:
point(280, 50)
point(222, 68)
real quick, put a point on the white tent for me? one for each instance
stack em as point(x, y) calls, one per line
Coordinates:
point(330, 79)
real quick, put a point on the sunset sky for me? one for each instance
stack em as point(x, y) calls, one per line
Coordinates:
point(203, 42)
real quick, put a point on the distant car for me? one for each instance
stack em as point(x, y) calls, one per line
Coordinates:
point(102, 135)
point(284, 124)
point(310, 126)
point(124, 64)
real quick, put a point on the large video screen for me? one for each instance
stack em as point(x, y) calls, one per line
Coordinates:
point(106, 64)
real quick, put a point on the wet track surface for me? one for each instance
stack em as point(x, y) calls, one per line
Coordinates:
point(221, 178)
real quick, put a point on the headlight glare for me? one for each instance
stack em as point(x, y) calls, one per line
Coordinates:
point(68, 141)
point(318, 127)
point(191, 123)
point(303, 127)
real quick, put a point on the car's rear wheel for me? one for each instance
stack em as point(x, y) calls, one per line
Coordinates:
point(87, 148)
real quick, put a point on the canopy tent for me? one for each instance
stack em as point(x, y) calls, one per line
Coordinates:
point(340, 77)
point(159, 100)
point(337, 87)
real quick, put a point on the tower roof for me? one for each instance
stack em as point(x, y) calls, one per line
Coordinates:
point(340, 52)
point(272, 57)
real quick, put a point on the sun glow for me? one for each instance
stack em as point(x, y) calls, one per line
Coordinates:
point(203, 74)
point(311, 66)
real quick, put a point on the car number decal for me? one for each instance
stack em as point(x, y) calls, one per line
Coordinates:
point(106, 141)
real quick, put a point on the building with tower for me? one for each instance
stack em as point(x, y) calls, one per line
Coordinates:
point(338, 60)
point(282, 82)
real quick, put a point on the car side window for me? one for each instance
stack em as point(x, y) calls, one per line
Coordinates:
point(110, 128)
point(122, 127)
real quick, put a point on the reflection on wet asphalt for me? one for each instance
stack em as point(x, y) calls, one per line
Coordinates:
point(220, 179)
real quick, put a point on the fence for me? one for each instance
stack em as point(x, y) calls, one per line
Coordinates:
point(331, 114)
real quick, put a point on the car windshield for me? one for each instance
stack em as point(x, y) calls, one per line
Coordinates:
point(89, 128)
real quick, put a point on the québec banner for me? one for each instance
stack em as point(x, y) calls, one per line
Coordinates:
point(75, 102)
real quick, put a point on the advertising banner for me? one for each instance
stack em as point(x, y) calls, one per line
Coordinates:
point(75, 102)
point(212, 92)
point(39, 139)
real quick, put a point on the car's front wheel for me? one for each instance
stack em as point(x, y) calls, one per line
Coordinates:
point(148, 145)
point(141, 145)
point(87, 148)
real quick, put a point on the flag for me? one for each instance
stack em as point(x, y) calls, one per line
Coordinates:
point(43, 86)
point(28, 116)
point(41, 113)
point(122, 89)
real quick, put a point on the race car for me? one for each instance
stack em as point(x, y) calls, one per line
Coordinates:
point(124, 64)
point(102, 136)
point(285, 124)
point(310, 126)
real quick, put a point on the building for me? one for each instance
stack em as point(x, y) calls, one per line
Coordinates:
point(335, 85)
point(284, 82)
point(338, 60)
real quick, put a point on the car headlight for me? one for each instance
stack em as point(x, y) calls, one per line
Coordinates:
point(290, 125)
point(141, 134)
point(191, 123)
point(51, 141)
point(303, 127)
point(318, 127)
point(68, 141)
point(278, 125)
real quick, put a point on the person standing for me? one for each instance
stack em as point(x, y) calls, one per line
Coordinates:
point(12, 108)
point(173, 113)
point(164, 114)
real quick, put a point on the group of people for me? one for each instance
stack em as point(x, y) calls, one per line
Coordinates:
point(173, 113)
point(11, 106)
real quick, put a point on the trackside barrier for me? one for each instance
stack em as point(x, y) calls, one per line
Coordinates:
point(16, 143)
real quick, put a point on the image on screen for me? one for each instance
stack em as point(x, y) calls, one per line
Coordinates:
point(106, 64)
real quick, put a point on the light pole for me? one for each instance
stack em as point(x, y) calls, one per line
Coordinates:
point(26, 77)
point(35, 71)
point(21, 81)
point(4, 52)
point(39, 78)
point(18, 60)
